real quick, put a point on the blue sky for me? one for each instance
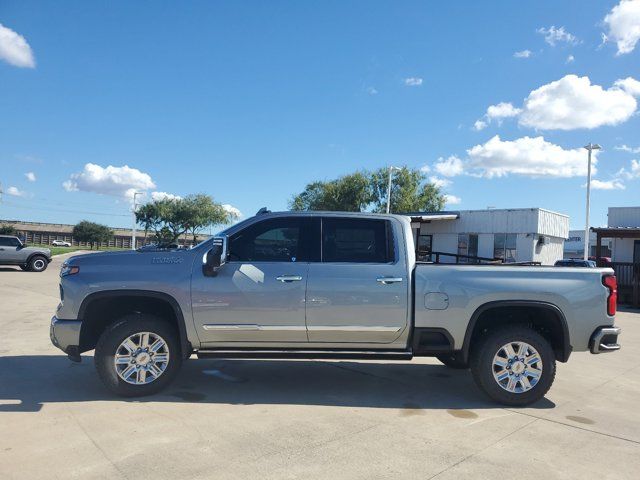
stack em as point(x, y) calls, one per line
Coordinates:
point(250, 101)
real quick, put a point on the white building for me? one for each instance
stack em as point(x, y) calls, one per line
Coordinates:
point(627, 248)
point(574, 245)
point(514, 235)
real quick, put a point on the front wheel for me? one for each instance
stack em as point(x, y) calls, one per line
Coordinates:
point(38, 264)
point(138, 355)
point(514, 366)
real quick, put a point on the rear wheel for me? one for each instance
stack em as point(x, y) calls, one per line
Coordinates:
point(453, 360)
point(138, 355)
point(514, 366)
point(38, 263)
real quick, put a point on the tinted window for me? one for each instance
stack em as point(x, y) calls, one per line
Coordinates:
point(504, 246)
point(9, 242)
point(274, 240)
point(356, 241)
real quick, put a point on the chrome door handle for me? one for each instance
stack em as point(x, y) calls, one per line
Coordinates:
point(389, 280)
point(289, 278)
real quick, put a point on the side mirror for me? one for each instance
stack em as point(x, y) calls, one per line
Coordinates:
point(215, 258)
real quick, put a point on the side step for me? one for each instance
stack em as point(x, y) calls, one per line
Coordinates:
point(308, 354)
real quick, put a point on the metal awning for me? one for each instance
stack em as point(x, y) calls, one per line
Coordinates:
point(617, 232)
point(433, 216)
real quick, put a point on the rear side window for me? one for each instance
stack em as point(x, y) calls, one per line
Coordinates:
point(275, 240)
point(357, 240)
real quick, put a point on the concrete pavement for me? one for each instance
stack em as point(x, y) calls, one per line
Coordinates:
point(301, 419)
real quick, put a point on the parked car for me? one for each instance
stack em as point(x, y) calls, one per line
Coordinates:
point(602, 262)
point(60, 243)
point(328, 285)
point(14, 252)
point(574, 262)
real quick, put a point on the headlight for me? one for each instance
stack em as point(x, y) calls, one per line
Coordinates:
point(68, 269)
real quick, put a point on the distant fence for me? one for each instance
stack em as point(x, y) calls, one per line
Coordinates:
point(628, 276)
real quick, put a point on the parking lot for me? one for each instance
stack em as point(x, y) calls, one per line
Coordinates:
point(301, 419)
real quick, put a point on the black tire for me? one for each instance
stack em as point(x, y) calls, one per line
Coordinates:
point(453, 360)
point(38, 263)
point(117, 333)
point(482, 366)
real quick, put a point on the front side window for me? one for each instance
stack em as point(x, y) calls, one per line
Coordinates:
point(504, 247)
point(9, 242)
point(356, 240)
point(273, 240)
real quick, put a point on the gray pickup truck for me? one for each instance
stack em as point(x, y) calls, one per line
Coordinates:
point(328, 285)
point(14, 252)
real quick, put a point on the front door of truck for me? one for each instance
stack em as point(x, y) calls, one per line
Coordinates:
point(358, 293)
point(259, 294)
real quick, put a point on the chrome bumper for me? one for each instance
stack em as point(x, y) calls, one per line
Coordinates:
point(604, 340)
point(65, 334)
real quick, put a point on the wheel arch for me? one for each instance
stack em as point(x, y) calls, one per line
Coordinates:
point(146, 301)
point(553, 318)
point(37, 254)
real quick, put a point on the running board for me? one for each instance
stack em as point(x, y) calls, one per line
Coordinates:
point(308, 354)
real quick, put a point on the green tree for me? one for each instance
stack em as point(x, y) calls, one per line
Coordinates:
point(170, 218)
point(350, 193)
point(410, 191)
point(8, 230)
point(364, 190)
point(92, 233)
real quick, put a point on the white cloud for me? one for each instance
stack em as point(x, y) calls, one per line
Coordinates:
point(625, 148)
point(15, 192)
point(413, 81)
point(570, 59)
point(629, 85)
point(425, 169)
point(633, 172)
point(606, 185)
point(449, 167)
point(623, 22)
point(30, 176)
point(523, 54)
point(533, 157)
point(371, 91)
point(14, 49)
point(452, 200)
point(232, 210)
point(553, 35)
point(573, 102)
point(157, 196)
point(479, 125)
point(439, 182)
point(496, 112)
point(110, 180)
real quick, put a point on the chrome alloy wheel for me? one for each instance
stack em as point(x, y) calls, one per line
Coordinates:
point(517, 367)
point(141, 358)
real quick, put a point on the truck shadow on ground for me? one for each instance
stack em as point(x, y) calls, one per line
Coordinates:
point(30, 381)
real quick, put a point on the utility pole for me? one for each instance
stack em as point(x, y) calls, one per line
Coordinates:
point(391, 169)
point(133, 230)
point(590, 148)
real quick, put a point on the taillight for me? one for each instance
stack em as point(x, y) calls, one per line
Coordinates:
point(611, 283)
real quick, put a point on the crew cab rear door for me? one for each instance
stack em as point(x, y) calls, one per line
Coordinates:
point(259, 294)
point(358, 293)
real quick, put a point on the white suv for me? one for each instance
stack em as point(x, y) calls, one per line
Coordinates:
point(60, 243)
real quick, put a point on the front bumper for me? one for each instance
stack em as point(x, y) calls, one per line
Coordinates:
point(65, 334)
point(605, 340)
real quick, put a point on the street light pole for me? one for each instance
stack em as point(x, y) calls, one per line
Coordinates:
point(133, 230)
point(590, 148)
point(391, 169)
